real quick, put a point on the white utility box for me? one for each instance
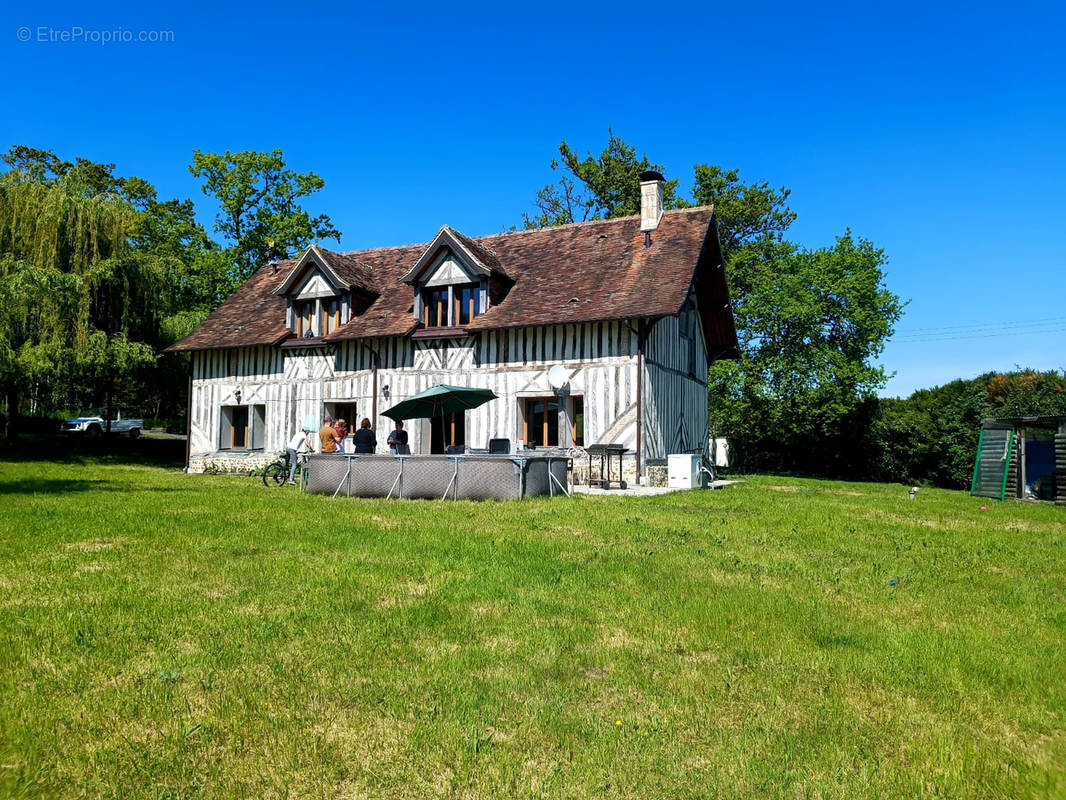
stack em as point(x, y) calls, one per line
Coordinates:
point(683, 471)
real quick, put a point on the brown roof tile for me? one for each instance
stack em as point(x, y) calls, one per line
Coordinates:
point(350, 269)
point(253, 315)
point(583, 272)
point(486, 255)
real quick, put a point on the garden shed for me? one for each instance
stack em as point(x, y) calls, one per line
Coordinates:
point(1021, 457)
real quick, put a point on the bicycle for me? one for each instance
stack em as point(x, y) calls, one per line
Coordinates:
point(276, 472)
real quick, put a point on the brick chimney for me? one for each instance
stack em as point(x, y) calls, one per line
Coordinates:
point(651, 199)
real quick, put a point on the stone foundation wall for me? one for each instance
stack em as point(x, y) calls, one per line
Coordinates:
point(229, 463)
point(629, 469)
point(657, 476)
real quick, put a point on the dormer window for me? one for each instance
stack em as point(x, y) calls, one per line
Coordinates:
point(451, 306)
point(319, 317)
point(451, 280)
point(321, 290)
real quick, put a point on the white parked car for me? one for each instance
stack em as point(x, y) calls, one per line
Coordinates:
point(95, 424)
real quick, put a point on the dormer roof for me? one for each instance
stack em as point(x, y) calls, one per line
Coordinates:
point(340, 270)
point(478, 258)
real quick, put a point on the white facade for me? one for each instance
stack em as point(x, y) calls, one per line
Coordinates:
point(609, 371)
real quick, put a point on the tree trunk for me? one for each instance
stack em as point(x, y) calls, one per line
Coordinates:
point(11, 394)
point(110, 414)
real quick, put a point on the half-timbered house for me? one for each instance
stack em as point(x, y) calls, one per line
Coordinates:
point(634, 309)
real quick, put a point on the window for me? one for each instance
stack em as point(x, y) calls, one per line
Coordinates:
point(542, 422)
point(688, 355)
point(466, 303)
point(242, 428)
point(305, 314)
point(238, 428)
point(578, 421)
point(450, 306)
point(688, 329)
point(447, 431)
point(320, 317)
point(346, 411)
point(332, 310)
point(436, 311)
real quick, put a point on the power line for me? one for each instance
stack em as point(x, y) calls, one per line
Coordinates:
point(975, 335)
point(992, 324)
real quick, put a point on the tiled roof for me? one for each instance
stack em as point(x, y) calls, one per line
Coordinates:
point(252, 315)
point(350, 269)
point(585, 272)
point(487, 256)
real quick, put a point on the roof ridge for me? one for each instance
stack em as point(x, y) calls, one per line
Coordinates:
point(589, 222)
point(354, 253)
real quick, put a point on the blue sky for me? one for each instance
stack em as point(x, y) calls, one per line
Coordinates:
point(938, 131)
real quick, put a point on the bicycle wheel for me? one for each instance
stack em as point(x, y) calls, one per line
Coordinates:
point(274, 474)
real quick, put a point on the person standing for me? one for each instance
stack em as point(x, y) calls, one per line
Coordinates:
point(328, 437)
point(341, 427)
point(299, 443)
point(365, 441)
point(398, 436)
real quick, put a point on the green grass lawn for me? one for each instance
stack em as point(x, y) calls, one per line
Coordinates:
point(173, 636)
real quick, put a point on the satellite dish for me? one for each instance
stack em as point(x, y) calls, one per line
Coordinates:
point(558, 376)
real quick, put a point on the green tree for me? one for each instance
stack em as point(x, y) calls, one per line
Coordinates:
point(932, 435)
point(196, 267)
point(97, 269)
point(79, 304)
point(34, 165)
point(196, 273)
point(191, 276)
point(601, 187)
point(810, 322)
point(259, 213)
point(749, 214)
point(1026, 393)
point(608, 186)
point(952, 416)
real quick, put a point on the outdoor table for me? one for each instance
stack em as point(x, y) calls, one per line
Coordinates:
point(605, 452)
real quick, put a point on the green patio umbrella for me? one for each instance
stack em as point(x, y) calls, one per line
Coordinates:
point(439, 400)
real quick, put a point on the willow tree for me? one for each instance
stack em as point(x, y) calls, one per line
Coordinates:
point(76, 301)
